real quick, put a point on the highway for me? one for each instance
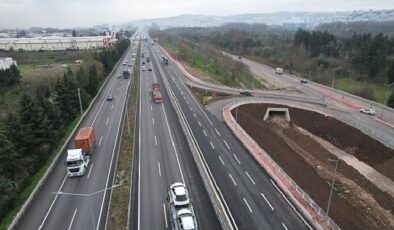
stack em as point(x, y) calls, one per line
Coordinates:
point(85, 204)
point(163, 158)
point(253, 198)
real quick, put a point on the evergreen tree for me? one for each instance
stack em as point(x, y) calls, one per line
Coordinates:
point(55, 127)
point(66, 98)
point(390, 74)
point(10, 160)
point(390, 102)
point(93, 81)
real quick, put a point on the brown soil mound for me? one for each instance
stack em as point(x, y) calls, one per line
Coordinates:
point(305, 161)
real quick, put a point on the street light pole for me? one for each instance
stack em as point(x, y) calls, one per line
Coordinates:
point(332, 83)
point(80, 101)
point(332, 184)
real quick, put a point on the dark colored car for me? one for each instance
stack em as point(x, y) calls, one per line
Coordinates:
point(246, 93)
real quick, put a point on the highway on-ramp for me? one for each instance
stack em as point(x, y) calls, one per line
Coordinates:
point(82, 202)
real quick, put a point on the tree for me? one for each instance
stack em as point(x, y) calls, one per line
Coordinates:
point(93, 81)
point(390, 102)
point(55, 128)
point(390, 73)
point(74, 33)
point(66, 97)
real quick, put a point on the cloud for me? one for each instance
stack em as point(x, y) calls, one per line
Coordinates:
point(75, 13)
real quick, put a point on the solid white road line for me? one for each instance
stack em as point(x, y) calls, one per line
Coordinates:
point(101, 106)
point(106, 123)
point(155, 141)
point(195, 116)
point(218, 132)
point(272, 208)
point(101, 138)
point(212, 144)
point(90, 170)
point(153, 121)
point(158, 166)
point(150, 107)
point(225, 142)
point(53, 202)
point(291, 205)
point(232, 179)
point(284, 226)
point(190, 108)
point(250, 178)
point(247, 204)
point(204, 132)
point(199, 123)
point(165, 215)
point(72, 219)
point(236, 158)
point(221, 160)
point(112, 107)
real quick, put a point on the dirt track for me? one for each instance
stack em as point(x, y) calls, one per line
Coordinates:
point(356, 201)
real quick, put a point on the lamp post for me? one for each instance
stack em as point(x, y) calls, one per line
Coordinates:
point(332, 83)
point(386, 97)
point(80, 101)
point(332, 183)
point(87, 195)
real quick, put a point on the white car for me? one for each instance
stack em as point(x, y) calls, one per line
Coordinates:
point(186, 219)
point(178, 194)
point(143, 68)
point(368, 111)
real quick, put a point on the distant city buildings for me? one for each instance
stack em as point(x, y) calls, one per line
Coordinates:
point(56, 43)
point(6, 63)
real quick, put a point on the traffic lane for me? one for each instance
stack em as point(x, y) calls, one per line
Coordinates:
point(202, 205)
point(37, 211)
point(90, 182)
point(224, 147)
point(151, 197)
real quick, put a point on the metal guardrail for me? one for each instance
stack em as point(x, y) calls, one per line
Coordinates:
point(40, 183)
point(301, 192)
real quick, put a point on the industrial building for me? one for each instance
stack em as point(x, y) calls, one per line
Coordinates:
point(55, 43)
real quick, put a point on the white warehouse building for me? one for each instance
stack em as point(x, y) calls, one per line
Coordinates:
point(55, 43)
point(6, 63)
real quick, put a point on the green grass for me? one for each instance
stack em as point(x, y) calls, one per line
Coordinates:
point(198, 59)
point(36, 178)
point(353, 85)
point(45, 58)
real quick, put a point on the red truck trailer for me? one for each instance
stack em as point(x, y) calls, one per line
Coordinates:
point(85, 140)
point(156, 93)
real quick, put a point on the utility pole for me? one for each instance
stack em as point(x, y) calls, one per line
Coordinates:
point(386, 97)
point(332, 184)
point(80, 101)
point(332, 83)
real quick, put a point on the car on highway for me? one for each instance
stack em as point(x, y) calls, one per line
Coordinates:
point(178, 194)
point(150, 68)
point(143, 68)
point(143, 63)
point(186, 220)
point(130, 64)
point(246, 93)
point(118, 76)
point(368, 111)
point(110, 97)
point(303, 81)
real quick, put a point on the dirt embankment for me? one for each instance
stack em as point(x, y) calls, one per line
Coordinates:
point(356, 202)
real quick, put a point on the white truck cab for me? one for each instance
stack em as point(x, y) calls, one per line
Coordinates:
point(76, 162)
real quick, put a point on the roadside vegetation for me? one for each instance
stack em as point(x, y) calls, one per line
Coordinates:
point(37, 118)
point(220, 68)
point(118, 213)
point(365, 59)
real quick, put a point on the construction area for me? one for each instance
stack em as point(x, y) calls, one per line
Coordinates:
point(306, 145)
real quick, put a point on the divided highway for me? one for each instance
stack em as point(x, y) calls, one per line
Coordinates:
point(163, 158)
point(253, 198)
point(82, 202)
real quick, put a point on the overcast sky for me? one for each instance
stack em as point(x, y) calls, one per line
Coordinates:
point(77, 13)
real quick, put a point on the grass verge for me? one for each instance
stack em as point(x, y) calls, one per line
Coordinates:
point(36, 177)
point(368, 90)
point(118, 213)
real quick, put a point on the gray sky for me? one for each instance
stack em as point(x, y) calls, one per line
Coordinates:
point(75, 13)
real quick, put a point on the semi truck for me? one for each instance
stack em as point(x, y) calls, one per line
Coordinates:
point(147, 59)
point(78, 158)
point(278, 70)
point(126, 73)
point(156, 93)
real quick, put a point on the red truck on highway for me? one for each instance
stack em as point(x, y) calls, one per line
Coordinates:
point(156, 93)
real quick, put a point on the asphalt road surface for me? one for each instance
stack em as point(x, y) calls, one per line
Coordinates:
point(84, 210)
point(254, 200)
point(163, 158)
